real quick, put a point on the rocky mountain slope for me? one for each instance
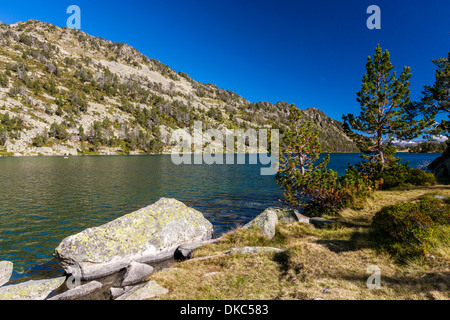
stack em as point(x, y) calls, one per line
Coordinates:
point(63, 91)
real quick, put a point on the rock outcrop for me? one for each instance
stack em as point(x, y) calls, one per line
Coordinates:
point(150, 234)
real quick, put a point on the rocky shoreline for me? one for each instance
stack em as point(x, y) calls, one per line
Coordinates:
point(116, 260)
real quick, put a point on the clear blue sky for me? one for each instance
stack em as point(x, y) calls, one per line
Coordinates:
point(311, 53)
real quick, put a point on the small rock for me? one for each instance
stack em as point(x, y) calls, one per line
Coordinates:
point(246, 250)
point(168, 269)
point(288, 215)
point(322, 223)
point(6, 269)
point(317, 299)
point(184, 251)
point(136, 272)
point(31, 290)
point(270, 217)
point(209, 274)
point(116, 292)
point(79, 292)
point(266, 221)
point(439, 197)
point(326, 290)
point(144, 291)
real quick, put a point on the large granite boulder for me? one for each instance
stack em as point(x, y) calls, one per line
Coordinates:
point(147, 235)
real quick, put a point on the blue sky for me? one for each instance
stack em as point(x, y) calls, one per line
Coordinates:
point(311, 53)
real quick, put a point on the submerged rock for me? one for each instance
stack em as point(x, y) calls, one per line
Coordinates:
point(31, 290)
point(147, 235)
point(6, 269)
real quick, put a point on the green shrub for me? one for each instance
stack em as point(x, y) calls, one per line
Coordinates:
point(4, 82)
point(420, 177)
point(40, 140)
point(58, 131)
point(325, 193)
point(397, 176)
point(407, 228)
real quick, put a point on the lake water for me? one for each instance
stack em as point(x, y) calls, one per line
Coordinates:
point(45, 199)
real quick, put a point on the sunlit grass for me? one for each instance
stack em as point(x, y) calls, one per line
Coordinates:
point(325, 263)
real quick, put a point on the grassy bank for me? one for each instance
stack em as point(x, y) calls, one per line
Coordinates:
point(317, 263)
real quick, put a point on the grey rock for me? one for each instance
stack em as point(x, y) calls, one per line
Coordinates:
point(266, 221)
point(136, 272)
point(210, 274)
point(168, 269)
point(116, 292)
point(207, 257)
point(31, 290)
point(184, 251)
point(270, 217)
point(245, 250)
point(144, 291)
point(322, 223)
point(6, 269)
point(79, 292)
point(289, 215)
point(326, 291)
point(439, 197)
point(147, 235)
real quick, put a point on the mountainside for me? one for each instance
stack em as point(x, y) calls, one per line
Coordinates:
point(63, 91)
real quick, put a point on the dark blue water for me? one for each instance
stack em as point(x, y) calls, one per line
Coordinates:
point(45, 199)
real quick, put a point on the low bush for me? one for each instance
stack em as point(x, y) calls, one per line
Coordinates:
point(419, 177)
point(323, 192)
point(406, 229)
point(398, 176)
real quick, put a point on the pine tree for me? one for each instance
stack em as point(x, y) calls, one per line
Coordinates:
point(301, 141)
point(296, 164)
point(383, 99)
point(436, 98)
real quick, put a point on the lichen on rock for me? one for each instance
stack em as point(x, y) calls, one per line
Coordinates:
point(148, 234)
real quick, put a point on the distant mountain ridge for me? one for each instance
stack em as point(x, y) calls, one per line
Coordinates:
point(63, 91)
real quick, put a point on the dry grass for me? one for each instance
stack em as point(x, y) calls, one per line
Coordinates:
point(325, 263)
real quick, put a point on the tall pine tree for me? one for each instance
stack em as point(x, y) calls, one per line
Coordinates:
point(383, 98)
